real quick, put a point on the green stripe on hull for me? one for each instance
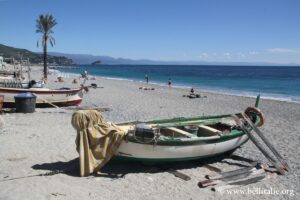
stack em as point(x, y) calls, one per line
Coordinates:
point(177, 119)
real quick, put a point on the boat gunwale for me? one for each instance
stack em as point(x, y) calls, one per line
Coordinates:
point(177, 119)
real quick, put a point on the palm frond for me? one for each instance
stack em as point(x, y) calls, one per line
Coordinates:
point(52, 42)
point(44, 25)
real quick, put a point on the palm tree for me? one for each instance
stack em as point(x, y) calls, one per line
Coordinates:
point(44, 25)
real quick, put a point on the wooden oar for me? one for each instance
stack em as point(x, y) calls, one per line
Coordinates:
point(100, 109)
point(212, 182)
point(278, 166)
point(232, 184)
point(232, 173)
point(267, 142)
point(247, 181)
point(48, 102)
point(229, 175)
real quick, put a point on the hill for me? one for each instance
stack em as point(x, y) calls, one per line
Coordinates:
point(107, 60)
point(17, 53)
point(97, 62)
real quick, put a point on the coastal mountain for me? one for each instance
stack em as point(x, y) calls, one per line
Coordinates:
point(65, 58)
point(35, 58)
point(97, 62)
point(107, 60)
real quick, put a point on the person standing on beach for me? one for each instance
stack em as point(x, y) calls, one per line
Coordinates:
point(146, 78)
point(170, 82)
point(85, 74)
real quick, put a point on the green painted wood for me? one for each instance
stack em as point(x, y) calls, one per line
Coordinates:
point(176, 119)
point(257, 101)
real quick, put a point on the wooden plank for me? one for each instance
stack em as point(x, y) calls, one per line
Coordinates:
point(213, 130)
point(189, 135)
point(179, 175)
point(234, 174)
point(175, 172)
point(212, 168)
point(246, 181)
point(212, 182)
point(231, 173)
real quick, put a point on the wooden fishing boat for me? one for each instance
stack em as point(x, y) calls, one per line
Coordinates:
point(157, 141)
point(44, 96)
point(181, 138)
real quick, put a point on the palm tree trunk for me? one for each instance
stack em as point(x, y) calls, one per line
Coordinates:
point(45, 59)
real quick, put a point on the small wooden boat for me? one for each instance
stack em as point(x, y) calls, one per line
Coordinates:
point(44, 96)
point(157, 141)
point(180, 139)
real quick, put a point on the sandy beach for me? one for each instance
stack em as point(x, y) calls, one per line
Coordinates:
point(44, 142)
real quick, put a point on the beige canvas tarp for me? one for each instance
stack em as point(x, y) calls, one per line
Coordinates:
point(97, 140)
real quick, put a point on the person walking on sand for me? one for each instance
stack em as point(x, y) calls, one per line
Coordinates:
point(146, 78)
point(170, 82)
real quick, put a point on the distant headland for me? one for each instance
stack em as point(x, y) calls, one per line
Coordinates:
point(97, 62)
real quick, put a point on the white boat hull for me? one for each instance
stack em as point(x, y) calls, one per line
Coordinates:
point(44, 96)
point(147, 152)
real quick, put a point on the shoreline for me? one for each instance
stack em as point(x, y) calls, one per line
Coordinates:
point(200, 89)
point(183, 87)
point(187, 88)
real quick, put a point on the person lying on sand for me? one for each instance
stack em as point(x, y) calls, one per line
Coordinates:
point(193, 95)
point(74, 81)
point(60, 79)
point(192, 91)
point(146, 88)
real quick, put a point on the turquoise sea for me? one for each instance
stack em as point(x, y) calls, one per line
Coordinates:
point(272, 82)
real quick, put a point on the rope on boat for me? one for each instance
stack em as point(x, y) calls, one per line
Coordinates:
point(155, 138)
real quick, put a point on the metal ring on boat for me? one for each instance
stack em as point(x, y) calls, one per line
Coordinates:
point(253, 110)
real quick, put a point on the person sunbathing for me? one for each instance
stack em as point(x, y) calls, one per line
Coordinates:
point(192, 92)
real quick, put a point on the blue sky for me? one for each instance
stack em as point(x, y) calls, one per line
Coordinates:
point(170, 30)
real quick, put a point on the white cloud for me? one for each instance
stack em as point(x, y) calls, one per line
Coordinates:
point(252, 52)
point(242, 55)
point(227, 55)
point(283, 50)
point(204, 55)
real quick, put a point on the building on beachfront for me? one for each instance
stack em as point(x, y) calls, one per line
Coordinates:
point(1, 62)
